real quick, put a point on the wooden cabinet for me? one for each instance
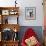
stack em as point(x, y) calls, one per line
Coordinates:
point(7, 26)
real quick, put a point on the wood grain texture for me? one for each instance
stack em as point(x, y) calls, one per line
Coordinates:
point(10, 26)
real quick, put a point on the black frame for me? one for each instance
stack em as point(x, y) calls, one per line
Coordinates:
point(30, 9)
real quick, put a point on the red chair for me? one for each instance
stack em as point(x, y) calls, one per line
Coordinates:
point(29, 33)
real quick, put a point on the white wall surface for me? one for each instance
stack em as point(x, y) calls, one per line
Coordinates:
point(26, 3)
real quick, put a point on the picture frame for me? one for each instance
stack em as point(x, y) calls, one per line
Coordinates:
point(30, 13)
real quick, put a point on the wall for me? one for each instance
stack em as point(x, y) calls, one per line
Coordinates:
point(39, 13)
point(27, 3)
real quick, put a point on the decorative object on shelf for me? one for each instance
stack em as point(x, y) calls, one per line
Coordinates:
point(15, 3)
point(6, 21)
point(5, 12)
point(13, 12)
point(15, 37)
point(15, 30)
point(30, 13)
point(15, 34)
point(7, 34)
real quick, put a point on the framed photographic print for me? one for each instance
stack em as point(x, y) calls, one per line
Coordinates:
point(30, 13)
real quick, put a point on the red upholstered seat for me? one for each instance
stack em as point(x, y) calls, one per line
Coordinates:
point(29, 33)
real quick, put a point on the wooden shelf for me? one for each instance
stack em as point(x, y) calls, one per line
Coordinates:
point(9, 43)
point(9, 8)
point(10, 26)
point(4, 13)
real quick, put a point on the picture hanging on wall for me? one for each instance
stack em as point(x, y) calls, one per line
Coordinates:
point(30, 13)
